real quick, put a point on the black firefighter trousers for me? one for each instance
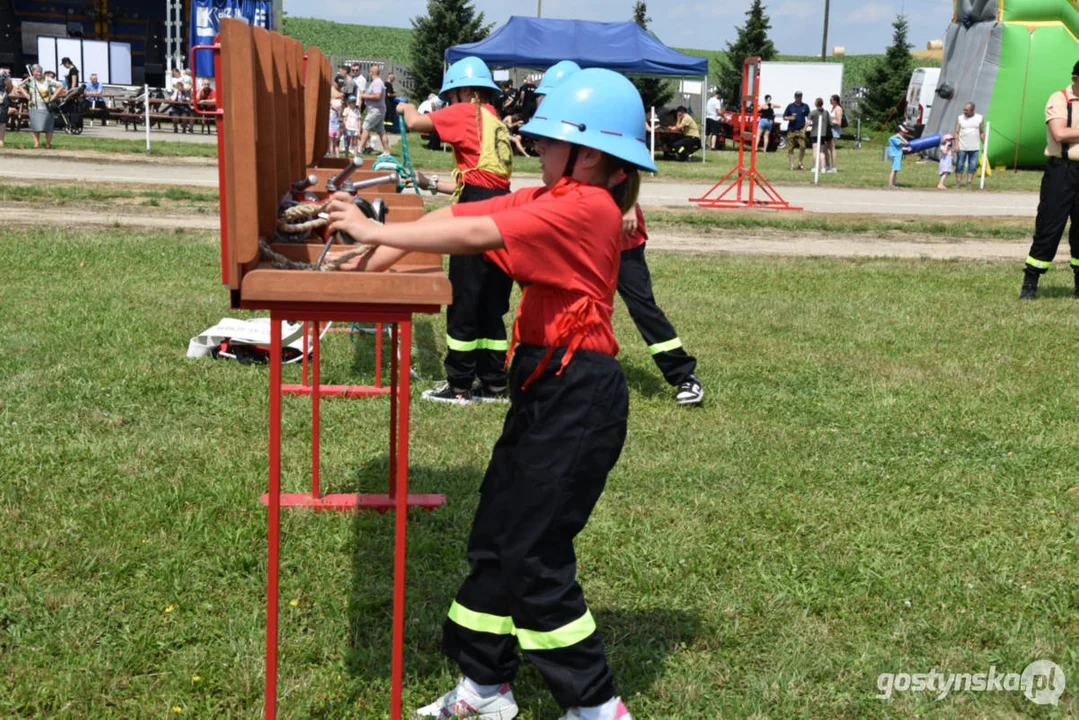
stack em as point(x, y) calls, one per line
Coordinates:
point(475, 332)
point(1059, 201)
point(560, 439)
point(635, 288)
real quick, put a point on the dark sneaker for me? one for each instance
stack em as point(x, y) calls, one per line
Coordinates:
point(489, 394)
point(446, 393)
point(689, 392)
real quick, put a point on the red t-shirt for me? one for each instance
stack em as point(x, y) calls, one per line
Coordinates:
point(458, 125)
point(639, 236)
point(563, 245)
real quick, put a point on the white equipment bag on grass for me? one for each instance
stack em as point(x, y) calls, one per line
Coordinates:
point(249, 341)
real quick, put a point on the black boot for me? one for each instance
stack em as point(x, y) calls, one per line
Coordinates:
point(1030, 284)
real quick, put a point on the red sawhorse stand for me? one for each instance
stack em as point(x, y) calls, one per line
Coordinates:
point(397, 498)
point(265, 141)
point(766, 197)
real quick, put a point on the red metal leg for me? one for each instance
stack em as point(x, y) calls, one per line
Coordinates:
point(315, 389)
point(378, 354)
point(273, 518)
point(401, 521)
point(306, 339)
point(394, 405)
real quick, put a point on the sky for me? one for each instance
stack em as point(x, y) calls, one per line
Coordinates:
point(861, 26)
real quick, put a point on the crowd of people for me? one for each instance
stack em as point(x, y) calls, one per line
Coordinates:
point(362, 107)
point(34, 101)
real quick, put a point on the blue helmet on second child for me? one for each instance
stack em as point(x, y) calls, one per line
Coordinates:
point(467, 72)
point(596, 108)
point(555, 75)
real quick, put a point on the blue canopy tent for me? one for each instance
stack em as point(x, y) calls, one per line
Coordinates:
point(624, 47)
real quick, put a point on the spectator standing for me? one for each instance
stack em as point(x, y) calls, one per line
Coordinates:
point(712, 119)
point(766, 122)
point(430, 105)
point(509, 99)
point(72, 77)
point(391, 103)
point(1059, 198)
point(7, 88)
point(896, 143)
point(351, 116)
point(690, 142)
point(335, 125)
point(180, 107)
point(820, 131)
point(360, 81)
point(795, 115)
point(348, 83)
point(96, 97)
point(40, 90)
point(839, 119)
point(970, 132)
point(375, 120)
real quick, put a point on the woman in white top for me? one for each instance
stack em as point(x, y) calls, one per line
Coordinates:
point(837, 126)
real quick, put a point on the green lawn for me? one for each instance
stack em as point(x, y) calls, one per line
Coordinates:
point(878, 482)
point(63, 141)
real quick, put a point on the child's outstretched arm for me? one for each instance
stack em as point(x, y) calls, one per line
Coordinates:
point(442, 234)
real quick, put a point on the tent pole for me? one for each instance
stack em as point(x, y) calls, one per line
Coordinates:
point(653, 135)
point(704, 123)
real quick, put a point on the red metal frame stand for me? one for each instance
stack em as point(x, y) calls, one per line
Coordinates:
point(749, 176)
point(333, 391)
point(397, 498)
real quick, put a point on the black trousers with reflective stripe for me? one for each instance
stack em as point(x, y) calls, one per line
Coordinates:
point(635, 289)
point(560, 439)
point(1059, 201)
point(481, 296)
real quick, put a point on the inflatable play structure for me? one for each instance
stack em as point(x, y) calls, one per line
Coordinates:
point(1007, 57)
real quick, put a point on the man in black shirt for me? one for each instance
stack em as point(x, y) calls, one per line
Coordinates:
point(391, 104)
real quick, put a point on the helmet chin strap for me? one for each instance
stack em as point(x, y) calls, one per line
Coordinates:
point(571, 161)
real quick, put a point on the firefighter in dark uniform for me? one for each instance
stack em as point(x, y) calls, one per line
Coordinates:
point(1060, 189)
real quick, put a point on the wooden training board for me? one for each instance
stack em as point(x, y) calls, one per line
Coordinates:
point(317, 105)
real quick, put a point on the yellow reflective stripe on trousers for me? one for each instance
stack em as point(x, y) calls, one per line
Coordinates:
point(563, 637)
point(1075, 262)
point(461, 345)
point(1041, 264)
point(665, 346)
point(480, 344)
point(480, 622)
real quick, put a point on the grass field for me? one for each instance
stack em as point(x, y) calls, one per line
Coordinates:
point(878, 482)
point(63, 141)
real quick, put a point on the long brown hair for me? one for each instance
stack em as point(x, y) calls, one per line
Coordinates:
point(626, 192)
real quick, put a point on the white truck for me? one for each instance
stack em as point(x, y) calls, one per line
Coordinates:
point(920, 95)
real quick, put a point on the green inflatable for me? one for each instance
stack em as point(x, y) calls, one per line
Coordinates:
point(1007, 57)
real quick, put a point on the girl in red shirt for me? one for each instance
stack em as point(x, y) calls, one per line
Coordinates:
point(475, 332)
point(569, 403)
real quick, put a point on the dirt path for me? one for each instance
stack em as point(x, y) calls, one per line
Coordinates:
point(740, 243)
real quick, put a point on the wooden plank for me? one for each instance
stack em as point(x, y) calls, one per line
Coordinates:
point(297, 121)
point(269, 174)
point(282, 137)
point(237, 97)
point(317, 105)
point(400, 285)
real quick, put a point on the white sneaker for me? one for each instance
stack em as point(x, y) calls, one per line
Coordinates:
point(463, 703)
point(689, 392)
point(620, 713)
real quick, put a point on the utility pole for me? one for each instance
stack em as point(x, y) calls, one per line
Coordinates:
point(824, 42)
point(539, 8)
